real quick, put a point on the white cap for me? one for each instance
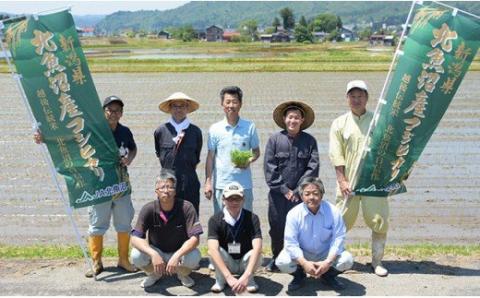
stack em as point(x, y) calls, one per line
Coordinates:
point(356, 84)
point(233, 189)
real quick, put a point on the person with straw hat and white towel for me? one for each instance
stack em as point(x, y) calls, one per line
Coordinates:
point(290, 155)
point(348, 134)
point(178, 144)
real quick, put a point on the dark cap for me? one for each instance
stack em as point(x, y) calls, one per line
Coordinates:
point(112, 98)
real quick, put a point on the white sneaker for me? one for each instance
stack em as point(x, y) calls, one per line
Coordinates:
point(380, 270)
point(149, 281)
point(252, 286)
point(186, 280)
point(217, 288)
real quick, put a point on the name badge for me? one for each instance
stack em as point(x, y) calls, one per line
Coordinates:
point(234, 248)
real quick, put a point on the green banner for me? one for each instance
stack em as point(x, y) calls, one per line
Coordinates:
point(437, 53)
point(55, 77)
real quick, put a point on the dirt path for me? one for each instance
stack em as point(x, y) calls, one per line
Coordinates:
point(445, 276)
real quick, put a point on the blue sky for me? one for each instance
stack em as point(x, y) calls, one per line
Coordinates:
point(85, 7)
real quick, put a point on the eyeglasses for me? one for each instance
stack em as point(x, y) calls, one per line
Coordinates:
point(165, 187)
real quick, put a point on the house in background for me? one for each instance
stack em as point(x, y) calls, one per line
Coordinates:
point(86, 32)
point(266, 37)
point(348, 34)
point(228, 34)
point(163, 35)
point(281, 37)
point(214, 33)
point(382, 40)
point(200, 34)
point(320, 36)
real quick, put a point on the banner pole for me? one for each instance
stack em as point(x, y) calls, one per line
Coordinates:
point(381, 102)
point(43, 149)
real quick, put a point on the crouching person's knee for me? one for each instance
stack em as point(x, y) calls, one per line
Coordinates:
point(285, 263)
point(344, 261)
point(192, 259)
point(139, 259)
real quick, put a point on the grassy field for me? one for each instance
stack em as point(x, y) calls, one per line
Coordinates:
point(412, 251)
point(112, 55)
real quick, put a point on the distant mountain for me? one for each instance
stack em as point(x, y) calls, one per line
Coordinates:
point(80, 21)
point(229, 14)
point(4, 15)
point(87, 20)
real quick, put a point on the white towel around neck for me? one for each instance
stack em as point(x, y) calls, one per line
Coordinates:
point(229, 218)
point(179, 127)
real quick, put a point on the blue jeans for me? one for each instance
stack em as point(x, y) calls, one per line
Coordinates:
point(99, 216)
point(218, 203)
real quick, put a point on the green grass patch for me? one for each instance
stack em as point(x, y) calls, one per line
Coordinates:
point(412, 251)
point(107, 55)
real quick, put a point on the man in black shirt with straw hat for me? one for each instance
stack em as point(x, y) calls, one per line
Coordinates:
point(290, 155)
point(178, 144)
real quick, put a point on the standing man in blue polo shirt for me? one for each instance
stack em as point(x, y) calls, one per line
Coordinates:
point(224, 136)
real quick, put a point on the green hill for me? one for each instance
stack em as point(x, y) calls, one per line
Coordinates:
point(229, 14)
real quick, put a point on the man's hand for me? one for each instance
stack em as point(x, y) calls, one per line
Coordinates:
point(208, 190)
point(124, 161)
point(321, 268)
point(158, 264)
point(231, 281)
point(38, 137)
point(246, 165)
point(172, 265)
point(291, 196)
point(309, 267)
point(241, 284)
point(345, 188)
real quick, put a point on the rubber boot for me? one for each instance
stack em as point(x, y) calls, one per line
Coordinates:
point(95, 245)
point(123, 243)
point(378, 248)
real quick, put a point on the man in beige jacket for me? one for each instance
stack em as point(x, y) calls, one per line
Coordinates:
point(347, 138)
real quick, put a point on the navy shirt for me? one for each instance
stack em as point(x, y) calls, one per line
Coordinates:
point(124, 139)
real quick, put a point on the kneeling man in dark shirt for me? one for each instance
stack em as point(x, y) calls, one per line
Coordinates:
point(234, 243)
point(173, 231)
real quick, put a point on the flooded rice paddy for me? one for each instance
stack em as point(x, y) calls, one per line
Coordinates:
point(441, 206)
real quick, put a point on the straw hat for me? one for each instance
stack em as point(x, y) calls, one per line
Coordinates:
point(308, 114)
point(193, 105)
